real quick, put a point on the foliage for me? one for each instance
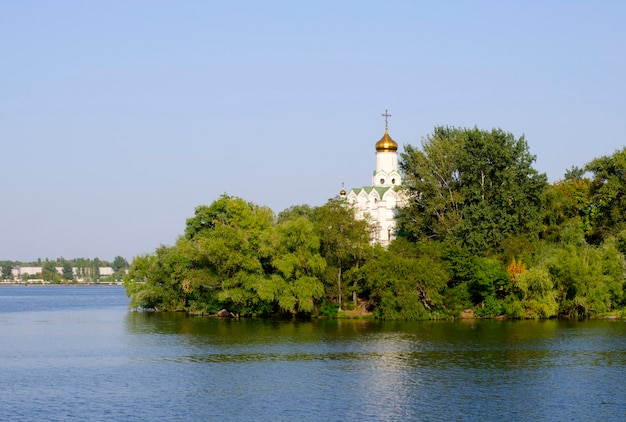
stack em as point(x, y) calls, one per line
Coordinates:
point(154, 281)
point(566, 203)
point(67, 271)
point(607, 195)
point(404, 282)
point(119, 267)
point(49, 271)
point(537, 295)
point(488, 280)
point(515, 269)
point(471, 187)
point(589, 280)
point(230, 241)
point(296, 285)
point(119, 264)
point(235, 255)
point(7, 267)
point(344, 241)
point(482, 231)
point(296, 211)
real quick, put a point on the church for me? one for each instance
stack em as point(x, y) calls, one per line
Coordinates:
point(379, 202)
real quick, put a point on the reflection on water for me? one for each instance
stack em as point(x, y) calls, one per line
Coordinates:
point(400, 370)
point(479, 344)
point(105, 363)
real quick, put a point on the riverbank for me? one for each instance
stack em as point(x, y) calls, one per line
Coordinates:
point(48, 283)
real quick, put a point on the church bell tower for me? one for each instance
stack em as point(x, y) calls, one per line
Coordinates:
point(378, 203)
point(386, 173)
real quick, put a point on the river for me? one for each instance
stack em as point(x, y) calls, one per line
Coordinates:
point(76, 353)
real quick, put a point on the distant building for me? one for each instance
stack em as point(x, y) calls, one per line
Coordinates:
point(379, 202)
point(78, 273)
point(30, 271)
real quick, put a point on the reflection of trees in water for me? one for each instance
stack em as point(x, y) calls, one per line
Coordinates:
point(245, 329)
point(465, 345)
point(394, 370)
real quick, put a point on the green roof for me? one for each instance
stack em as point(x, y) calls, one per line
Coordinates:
point(368, 189)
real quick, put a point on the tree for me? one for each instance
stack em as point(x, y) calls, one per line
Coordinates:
point(49, 271)
point(119, 267)
point(155, 281)
point(67, 271)
point(471, 186)
point(405, 282)
point(296, 211)
point(432, 185)
point(295, 285)
point(7, 267)
point(608, 195)
point(538, 298)
point(95, 269)
point(119, 264)
point(344, 240)
point(566, 203)
point(588, 280)
point(231, 241)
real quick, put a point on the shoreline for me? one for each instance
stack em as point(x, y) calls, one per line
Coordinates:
point(48, 283)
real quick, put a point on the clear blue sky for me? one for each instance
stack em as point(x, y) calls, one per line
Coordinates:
point(118, 118)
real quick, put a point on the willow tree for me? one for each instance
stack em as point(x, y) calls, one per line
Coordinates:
point(230, 241)
point(155, 281)
point(295, 285)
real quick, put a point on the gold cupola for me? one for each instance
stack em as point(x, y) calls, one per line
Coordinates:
point(386, 144)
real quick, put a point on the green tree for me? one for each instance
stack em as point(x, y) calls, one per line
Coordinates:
point(405, 283)
point(471, 186)
point(589, 280)
point(608, 195)
point(538, 298)
point(344, 240)
point(433, 186)
point(94, 270)
point(231, 241)
point(566, 203)
point(7, 267)
point(67, 271)
point(155, 281)
point(474, 280)
point(119, 266)
point(296, 285)
point(296, 211)
point(49, 271)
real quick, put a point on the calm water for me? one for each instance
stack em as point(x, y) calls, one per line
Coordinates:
point(76, 353)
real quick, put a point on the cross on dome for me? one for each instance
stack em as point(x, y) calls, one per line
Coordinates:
point(386, 115)
point(386, 144)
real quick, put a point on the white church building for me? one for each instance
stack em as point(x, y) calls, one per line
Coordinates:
point(379, 202)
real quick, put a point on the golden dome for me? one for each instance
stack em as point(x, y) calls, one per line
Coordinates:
point(386, 144)
point(342, 192)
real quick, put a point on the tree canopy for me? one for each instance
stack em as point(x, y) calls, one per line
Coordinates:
point(482, 234)
point(471, 187)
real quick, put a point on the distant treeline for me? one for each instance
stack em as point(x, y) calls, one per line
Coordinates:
point(71, 269)
point(75, 262)
point(483, 234)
